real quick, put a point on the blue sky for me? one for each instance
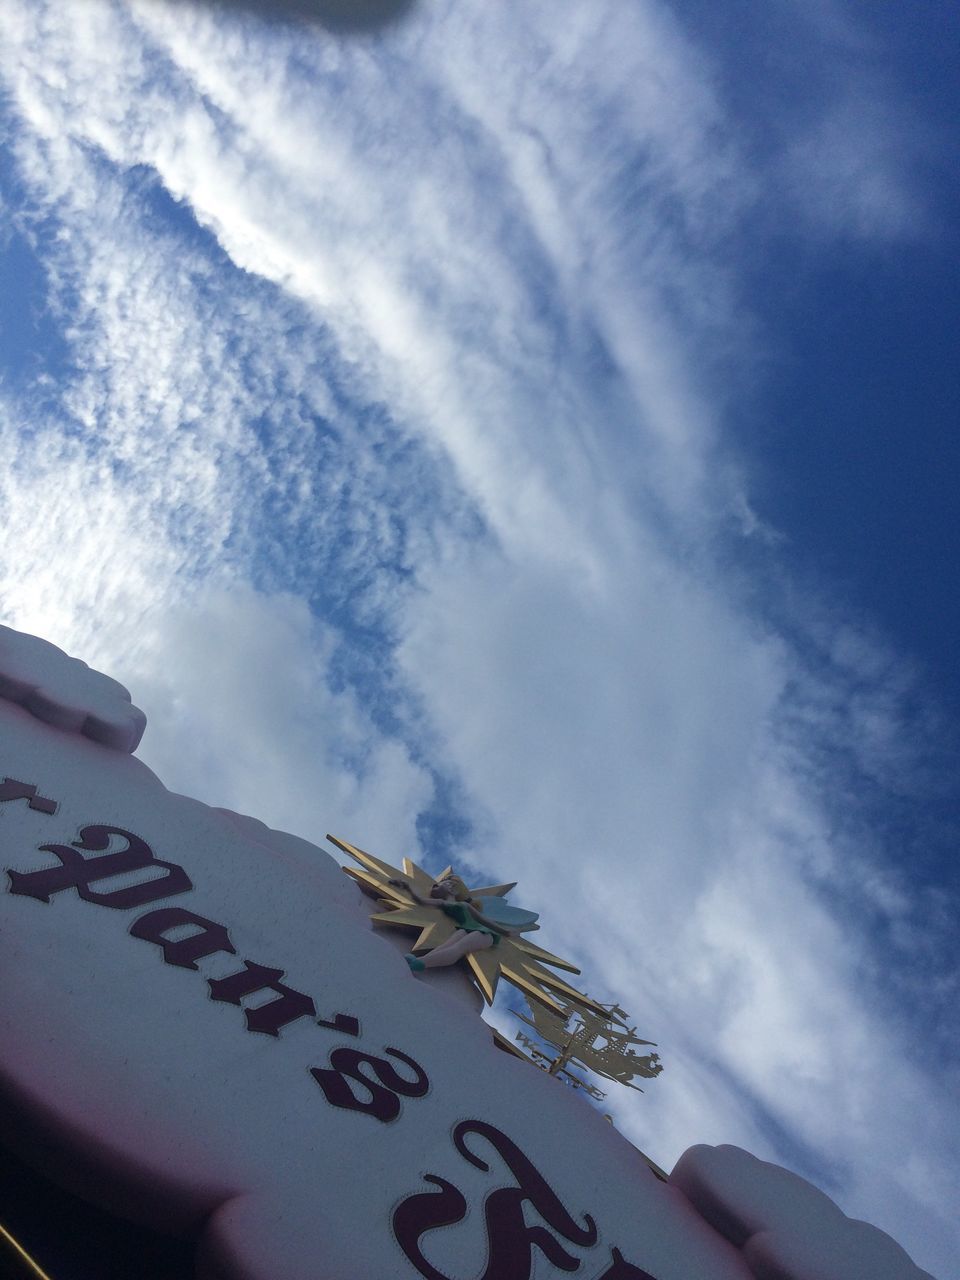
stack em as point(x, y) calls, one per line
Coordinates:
point(529, 441)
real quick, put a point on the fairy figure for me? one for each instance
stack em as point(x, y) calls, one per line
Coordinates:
point(469, 922)
point(480, 923)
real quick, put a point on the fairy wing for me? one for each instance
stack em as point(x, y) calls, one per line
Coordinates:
point(501, 912)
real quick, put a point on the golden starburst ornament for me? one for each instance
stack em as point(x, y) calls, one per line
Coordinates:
point(514, 958)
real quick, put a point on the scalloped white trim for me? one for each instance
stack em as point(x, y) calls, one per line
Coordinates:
point(66, 693)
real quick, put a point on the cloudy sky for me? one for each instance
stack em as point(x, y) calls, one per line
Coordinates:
point(525, 435)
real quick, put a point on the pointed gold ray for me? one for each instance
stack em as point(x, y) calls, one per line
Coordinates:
point(376, 888)
point(405, 916)
point(434, 926)
point(486, 968)
point(539, 953)
point(512, 971)
point(411, 916)
point(432, 935)
point(375, 876)
point(366, 859)
point(421, 881)
point(493, 890)
point(532, 990)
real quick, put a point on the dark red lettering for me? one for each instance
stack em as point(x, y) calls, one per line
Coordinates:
point(77, 872)
point(268, 1018)
point(383, 1103)
point(511, 1240)
point(345, 1023)
point(620, 1269)
point(418, 1214)
point(185, 952)
point(11, 789)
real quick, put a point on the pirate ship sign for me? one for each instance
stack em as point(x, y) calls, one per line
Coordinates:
point(603, 1045)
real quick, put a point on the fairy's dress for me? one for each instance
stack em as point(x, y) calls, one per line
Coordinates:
point(514, 919)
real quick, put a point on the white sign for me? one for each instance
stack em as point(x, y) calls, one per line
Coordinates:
point(200, 1030)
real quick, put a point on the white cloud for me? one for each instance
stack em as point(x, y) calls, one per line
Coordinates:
point(845, 169)
point(245, 717)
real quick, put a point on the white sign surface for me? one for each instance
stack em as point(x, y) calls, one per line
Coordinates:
point(200, 1030)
